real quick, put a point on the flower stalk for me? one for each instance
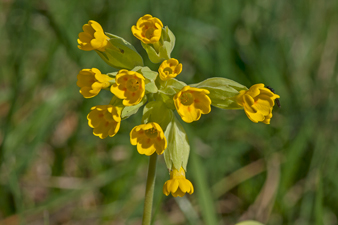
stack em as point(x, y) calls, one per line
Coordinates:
point(148, 201)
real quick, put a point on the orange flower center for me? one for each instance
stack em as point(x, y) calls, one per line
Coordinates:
point(151, 133)
point(149, 32)
point(133, 84)
point(186, 98)
point(168, 70)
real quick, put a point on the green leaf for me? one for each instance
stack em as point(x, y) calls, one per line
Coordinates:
point(131, 110)
point(177, 153)
point(223, 92)
point(249, 222)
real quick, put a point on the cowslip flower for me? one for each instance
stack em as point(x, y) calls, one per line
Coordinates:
point(91, 81)
point(169, 69)
point(105, 119)
point(93, 37)
point(257, 102)
point(129, 86)
point(148, 138)
point(148, 29)
point(178, 185)
point(191, 102)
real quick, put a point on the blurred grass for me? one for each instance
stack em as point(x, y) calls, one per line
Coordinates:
point(54, 171)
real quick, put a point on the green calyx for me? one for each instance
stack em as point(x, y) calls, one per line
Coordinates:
point(167, 90)
point(223, 92)
point(156, 111)
point(120, 54)
point(161, 51)
point(177, 153)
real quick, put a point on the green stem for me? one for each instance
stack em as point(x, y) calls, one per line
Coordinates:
point(148, 200)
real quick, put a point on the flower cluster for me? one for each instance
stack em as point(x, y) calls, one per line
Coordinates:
point(134, 85)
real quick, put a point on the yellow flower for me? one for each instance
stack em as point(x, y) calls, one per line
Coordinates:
point(91, 81)
point(257, 102)
point(169, 69)
point(93, 37)
point(148, 29)
point(191, 102)
point(129, 86)
point(178, 185)
point(148, 138)
point(105, 119)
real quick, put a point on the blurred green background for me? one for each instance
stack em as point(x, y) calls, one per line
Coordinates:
point(53, 170)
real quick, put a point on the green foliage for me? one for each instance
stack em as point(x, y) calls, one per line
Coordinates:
point(249, 222)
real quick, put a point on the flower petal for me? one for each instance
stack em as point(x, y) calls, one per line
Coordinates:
point(189, 113)
point(184, 186)
point(165, 188)
point(191, 187)
point(115, 126)
point(202, 102)
point(102, 130)
point(173, 186)
point(263, 105)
